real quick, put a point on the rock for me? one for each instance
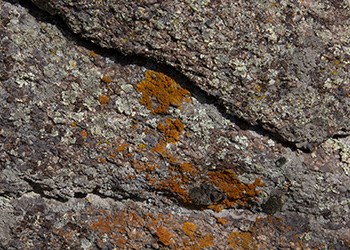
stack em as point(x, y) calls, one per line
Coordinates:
point(281, 65)
point(92, 156)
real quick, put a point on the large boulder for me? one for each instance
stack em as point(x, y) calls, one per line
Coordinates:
point(280, 64)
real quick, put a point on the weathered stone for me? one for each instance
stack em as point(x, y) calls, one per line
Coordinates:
point(88, 161)
point(280, 64)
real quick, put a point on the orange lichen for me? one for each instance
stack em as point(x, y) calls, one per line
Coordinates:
point(236, 191)
point(106, 79)
point(164, 236)
point(189, 228)
point(222, 221)
point(84, 134)
point(172, 130)
point(187, 167)
point(92, 54)
point(206, 241)
point(160, 148)
point(159, 92)
point(103, 99)
point(102, 160)
point(174, 184)
point(121, 147)
point(241, 240)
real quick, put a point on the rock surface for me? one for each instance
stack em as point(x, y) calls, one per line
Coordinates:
point(103, 151)
point(283, 65)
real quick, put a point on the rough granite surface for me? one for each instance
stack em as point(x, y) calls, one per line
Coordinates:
point(283, 65)
point(99, 150)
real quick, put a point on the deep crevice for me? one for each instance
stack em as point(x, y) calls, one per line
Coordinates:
point(40, 189)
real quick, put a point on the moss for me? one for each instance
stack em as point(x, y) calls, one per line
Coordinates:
point(159, 92)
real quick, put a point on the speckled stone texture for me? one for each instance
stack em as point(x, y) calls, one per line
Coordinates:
point(283, 65)
point(92, 156)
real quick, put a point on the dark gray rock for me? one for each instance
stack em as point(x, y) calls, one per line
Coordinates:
point(280, 64)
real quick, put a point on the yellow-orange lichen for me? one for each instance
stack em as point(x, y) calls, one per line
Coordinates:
point(92, 54)
point(222, 221)
point(189, 228)
point(121, 147)
point(187, 167)
point(236, 191)
point(172, 130)
point(103, 99)
point(160, 148)
point(106, 79)
point(159, 92)
point(206, 241)
point(241, 241)
point(164, 236)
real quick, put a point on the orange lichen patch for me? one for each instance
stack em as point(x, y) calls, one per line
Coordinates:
point(222, 221)
point(92, 54)
point(174, 185)
point(121, 147)
point(102, 160)
point(160, 149)
point(84, 134)
point(134, 227)
point(236, 191)
point(241, 240)
point(103, 99)
point(106, 79)
point(164, 236)
point(144, 167)
point(159, 92)
point(189, 228)
point(114, 227)
point(206, 241)
point(172, 130)
point(187, 167)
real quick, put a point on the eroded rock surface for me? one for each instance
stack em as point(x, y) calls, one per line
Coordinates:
point(280, 64)
point(92, 156)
